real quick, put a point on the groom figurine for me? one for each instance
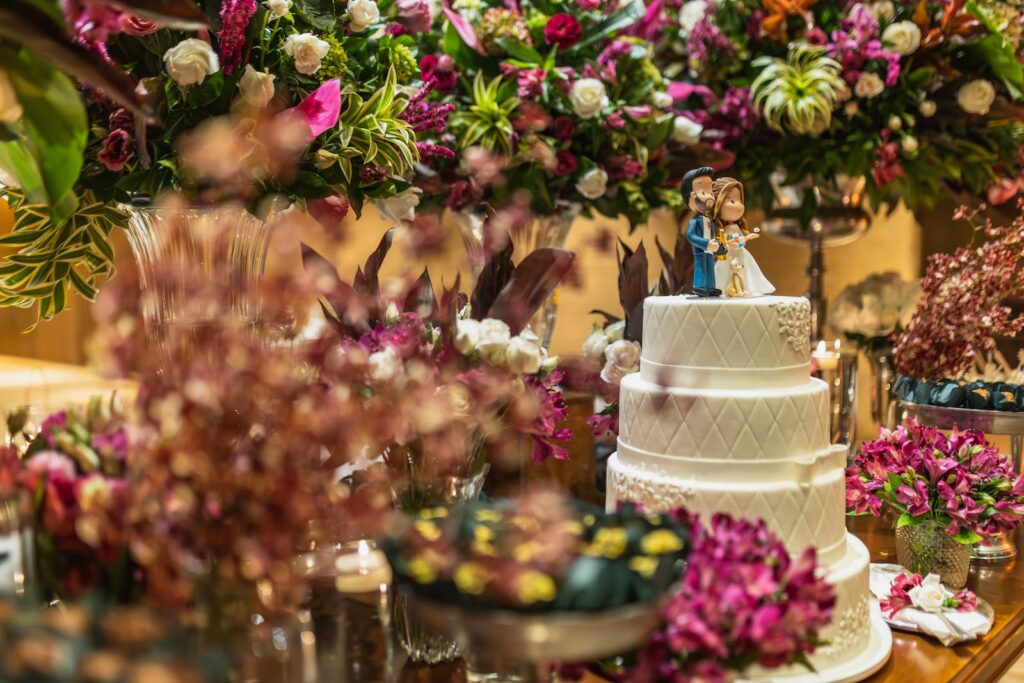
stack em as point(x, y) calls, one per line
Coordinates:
point(697, 194)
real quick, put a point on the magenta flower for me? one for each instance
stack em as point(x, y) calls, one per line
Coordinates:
point(321, 108)
point(562, 31)
point(916, 498)
point(117, 150)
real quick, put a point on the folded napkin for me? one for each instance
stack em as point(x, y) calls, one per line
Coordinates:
point(948, 627)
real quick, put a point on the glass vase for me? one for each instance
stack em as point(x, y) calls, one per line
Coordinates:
point(481, 237)
point(185, 252)
point(883, 374)
point(423, 644)
point(926, 548)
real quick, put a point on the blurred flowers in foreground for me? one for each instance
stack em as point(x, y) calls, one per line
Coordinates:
point(540, 552)
point(72, 473)
point(743, 601)
point(870, 311)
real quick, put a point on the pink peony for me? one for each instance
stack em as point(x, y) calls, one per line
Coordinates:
point(414, 15)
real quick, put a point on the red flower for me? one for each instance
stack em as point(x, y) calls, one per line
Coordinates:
point(562, 30)
point(117, 149)
point(565, 163)
point(563, 127)
point(442, 69)
point(464, 195)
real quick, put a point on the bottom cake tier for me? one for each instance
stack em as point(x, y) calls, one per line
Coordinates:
point(858, 641)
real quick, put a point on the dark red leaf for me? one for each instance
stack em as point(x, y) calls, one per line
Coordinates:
point(495, 274)
point(183, 15)
point(532, 282)
point(371, 271)
point(421, 297)
point(633, 289)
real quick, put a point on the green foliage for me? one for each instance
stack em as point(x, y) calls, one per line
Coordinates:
point(53, 260)
point(372, 132)
point(798, 93)
point(487, 121)
point(43, 149)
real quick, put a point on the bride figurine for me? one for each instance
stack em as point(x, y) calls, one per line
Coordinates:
point(736, 270)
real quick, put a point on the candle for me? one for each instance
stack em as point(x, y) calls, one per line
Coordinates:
point(826, 359)
point(363, 571)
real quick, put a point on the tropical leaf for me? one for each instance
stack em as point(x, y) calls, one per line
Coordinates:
point(798, 93)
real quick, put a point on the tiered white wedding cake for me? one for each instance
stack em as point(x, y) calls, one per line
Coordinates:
point(724, 417)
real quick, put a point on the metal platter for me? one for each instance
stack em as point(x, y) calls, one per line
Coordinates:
point(988, 421)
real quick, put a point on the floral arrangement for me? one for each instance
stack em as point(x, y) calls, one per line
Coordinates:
point(554, 105)
point(409, 347)
point(869, 312)
point(926, 594)
point(99, 641)
point(74, 472)
point(267, 83)
point(743, 602)
point(540, 552)
point(909, 96)
point(615, 346)
point(960, 481)
point(963, 302)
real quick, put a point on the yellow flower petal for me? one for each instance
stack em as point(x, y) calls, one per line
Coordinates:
point(660, 542)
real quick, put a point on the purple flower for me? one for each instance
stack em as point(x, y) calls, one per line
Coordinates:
point(115, 442)
point(915, 499)
point(54, 423)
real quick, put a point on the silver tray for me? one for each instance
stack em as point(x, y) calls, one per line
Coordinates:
point(544, 637)
point(984, 609)
point(988, 421)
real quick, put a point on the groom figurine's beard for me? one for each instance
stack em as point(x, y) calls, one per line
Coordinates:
point(704, 208)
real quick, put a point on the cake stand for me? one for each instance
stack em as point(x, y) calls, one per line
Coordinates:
point(531, 641)
point(999, 549)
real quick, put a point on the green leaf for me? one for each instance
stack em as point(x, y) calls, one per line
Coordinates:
point(1000, 57)
point(52, 133)
point(627, 16)
point(967, 537)
point(521, 51)
point(906, 520)
point(319, 13)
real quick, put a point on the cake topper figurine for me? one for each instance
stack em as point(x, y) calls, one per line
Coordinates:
point(698, 194)
point(736, 268)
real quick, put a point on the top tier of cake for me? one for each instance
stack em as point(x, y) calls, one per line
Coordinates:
point(726, 343)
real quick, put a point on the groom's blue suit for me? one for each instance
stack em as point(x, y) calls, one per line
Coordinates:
point(703, 262)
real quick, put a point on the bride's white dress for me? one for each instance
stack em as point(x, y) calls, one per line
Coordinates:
point(754, 280)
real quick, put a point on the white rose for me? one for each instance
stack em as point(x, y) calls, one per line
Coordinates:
point(10, 108)
point(895, 122)
point(882, 9)
point(595, 344)
point(929, 596)
point(621, 358)
point(851, 108)
point(615, 331)
point(362, 14)
point(467, 336)
point(494, 338)
point(909, 144)
point(588, 97)
point(191, 61)
point(307, 50)
point(843, 92)
point(384, 365)
point(903, 37)
point(868, 85)
point(686, 131)
point(257, 87)
point(927, 108)
point(976, 97)
point(401, 207)
point(278, 8)
point(593, 184)
point(524, 355)
point(662, 99)
point(690, 14)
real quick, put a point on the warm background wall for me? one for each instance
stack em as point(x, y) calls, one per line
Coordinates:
point(893, 243)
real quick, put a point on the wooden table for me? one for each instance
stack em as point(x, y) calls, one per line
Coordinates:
point(914, 659)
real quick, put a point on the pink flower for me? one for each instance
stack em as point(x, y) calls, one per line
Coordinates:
point(414, 15)
point(321, 108)
point(916, 498)
point(565, 163)
point(135, 25)
point(589, 5)
point(531, 82)
point(442, 70)
point(117, 149)
point(1004, 189)
point(234, 16)
point(330, 212)
point(464, 194)
point(562, 31)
